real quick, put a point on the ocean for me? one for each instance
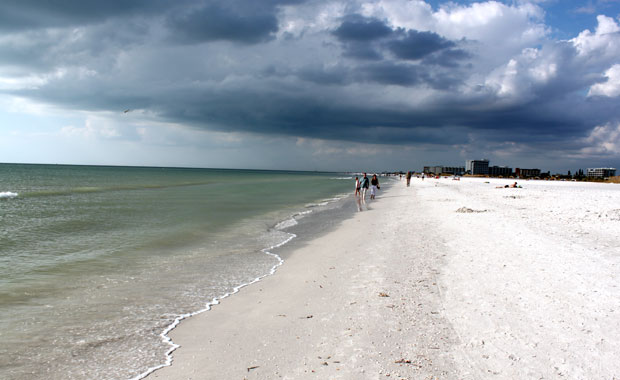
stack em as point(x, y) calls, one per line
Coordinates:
point(98, 263)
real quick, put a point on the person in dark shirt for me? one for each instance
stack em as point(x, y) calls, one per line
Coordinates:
point(374, 185)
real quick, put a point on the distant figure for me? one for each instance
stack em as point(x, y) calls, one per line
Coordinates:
point(514, 185)
point(364, 184)
point(374, 185)
point(408, 178)
point(357, 186)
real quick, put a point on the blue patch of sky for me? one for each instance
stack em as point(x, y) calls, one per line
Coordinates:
point(569, 18)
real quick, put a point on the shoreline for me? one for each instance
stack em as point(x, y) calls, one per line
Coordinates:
point(428, 282)
point(165, 335)
point(283, 226)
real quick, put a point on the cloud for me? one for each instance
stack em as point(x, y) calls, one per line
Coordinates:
point(328, 76)
point(359, 28)
point(358, 35)
point(362, 51)
point(603, 44)
point(611, 87)
point(22, 15)
point(603, 140)
point(415, 45)
point(390, 73)
point(235, 21)
point(101, 127)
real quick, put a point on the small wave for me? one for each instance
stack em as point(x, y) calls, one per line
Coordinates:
point(8, 194)
point(347, 178)
point(337, 198)
point(292, 221)
point(310, 205)
point(286, 224)
point(325, 202)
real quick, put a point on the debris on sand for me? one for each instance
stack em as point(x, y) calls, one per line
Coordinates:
point(467, 210)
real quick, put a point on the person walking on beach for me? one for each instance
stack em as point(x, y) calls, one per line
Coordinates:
point(408, 178)
point(374, 185)
point(357, 186)
point(364, 184)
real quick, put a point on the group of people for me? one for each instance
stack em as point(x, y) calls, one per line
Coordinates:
point(362, 186)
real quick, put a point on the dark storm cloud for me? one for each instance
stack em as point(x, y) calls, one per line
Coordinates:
point(243, 21)
point(42, 50)
point(362, 51)
point(447, 58)
point(250, 24)
point(358, 34)
point(16, 15)
point(289, 110)
point(367, 38)
point(325, 76)
point(356, 120)
point(301, 116)
point(392, 74)
point(359, 28)
point(415, 45)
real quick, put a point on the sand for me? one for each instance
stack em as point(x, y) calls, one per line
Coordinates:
point(442, 280)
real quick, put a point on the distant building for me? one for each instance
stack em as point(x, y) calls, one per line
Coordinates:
point(433, 169)
point(437, 170)
point(456, 170)
point(477, 166)
point(500, 171)
point(600, 172)
point(527, 173)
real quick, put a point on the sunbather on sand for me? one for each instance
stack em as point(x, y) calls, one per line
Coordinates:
point(514, 185)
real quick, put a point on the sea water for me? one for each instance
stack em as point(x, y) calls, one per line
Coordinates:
point(97, 263)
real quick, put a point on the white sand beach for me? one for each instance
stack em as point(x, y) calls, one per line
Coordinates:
point(441, 280)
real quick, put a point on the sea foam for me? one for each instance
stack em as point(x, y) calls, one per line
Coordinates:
point(8, 194)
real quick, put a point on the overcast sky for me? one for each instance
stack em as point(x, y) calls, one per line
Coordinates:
point(311, 85)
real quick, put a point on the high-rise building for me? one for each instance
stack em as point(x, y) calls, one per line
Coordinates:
point(456, 170)
point(601, 172)
point(500, 171)
point(477, 166)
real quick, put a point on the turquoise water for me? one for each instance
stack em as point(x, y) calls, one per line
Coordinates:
point(95, 262)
